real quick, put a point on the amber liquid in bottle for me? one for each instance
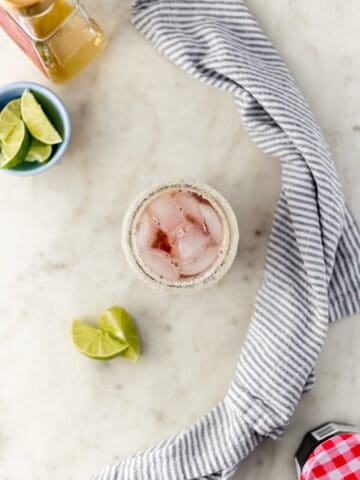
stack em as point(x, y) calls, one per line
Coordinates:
point(61, 35)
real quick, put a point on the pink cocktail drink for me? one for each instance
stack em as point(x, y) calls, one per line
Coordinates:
point(179, 235)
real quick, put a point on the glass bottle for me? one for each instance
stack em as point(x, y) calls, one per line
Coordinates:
point(57, 35)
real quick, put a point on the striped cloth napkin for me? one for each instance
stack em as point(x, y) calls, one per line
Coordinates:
point(312, 274)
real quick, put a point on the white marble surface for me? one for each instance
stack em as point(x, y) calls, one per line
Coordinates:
point(138, 119)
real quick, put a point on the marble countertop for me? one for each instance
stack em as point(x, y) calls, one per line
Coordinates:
point(138, 120)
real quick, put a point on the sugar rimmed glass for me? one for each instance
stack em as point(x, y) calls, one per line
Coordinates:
point(191, 284)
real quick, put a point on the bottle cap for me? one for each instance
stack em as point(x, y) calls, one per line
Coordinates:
point(27, 7)
point(335, 458)
point(331, 451)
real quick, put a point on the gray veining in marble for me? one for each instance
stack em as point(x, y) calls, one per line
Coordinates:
point(137, 120)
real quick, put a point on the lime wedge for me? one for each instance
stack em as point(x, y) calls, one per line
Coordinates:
point(95, 343)
point(38, 152)
point(3, 160)
point(8, 121)
point(36, 120)
point(15, 146)
point(119, 324)
point(15, 107)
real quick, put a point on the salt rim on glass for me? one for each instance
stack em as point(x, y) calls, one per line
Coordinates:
point(227, 252)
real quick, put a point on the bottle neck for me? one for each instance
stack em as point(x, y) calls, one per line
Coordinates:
point(43, 23)
point(28, 8)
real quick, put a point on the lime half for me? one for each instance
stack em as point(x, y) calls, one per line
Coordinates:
point(96, 343)
point(8, 121)
point(38, 151)
point(36, 120)
point(15, 146)
point(119, 324)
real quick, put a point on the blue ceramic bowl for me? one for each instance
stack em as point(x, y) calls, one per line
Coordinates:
point(58, 115)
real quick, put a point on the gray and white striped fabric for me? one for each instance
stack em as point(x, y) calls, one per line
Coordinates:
point(312, 274)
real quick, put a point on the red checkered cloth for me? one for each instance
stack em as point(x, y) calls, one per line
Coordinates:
point(335, 459)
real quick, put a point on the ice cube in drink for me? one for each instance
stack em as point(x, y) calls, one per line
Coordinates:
point(179, 235)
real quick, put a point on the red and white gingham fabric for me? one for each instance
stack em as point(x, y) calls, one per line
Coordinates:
point(335, 459)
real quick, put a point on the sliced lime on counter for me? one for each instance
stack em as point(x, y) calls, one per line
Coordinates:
point(120, 325)
point(95, 342)
point(36, 120)
point(38, 151)
point(8, 121)
point(15, 146)
point(3, 159)
point(117, 335)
